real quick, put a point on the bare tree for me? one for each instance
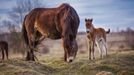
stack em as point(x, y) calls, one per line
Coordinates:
point(129, 37)
point(21, 8)
point(13, 37)
point(17, 14)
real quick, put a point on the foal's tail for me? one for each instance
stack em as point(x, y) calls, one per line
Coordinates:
point(108, 31)
point(24, 32)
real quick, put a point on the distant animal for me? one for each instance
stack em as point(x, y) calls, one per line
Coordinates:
point(55, 23)
point(4, 49)
point(96, 37)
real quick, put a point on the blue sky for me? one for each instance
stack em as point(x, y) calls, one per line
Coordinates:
point(111, 14)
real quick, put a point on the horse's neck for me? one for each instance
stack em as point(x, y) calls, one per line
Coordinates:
point(92, 28)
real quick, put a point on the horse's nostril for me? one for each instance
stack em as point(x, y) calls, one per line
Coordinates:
point(87, 31)
point(70, 60)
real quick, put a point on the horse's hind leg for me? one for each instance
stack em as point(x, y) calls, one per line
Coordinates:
point(30, 55)
point(6, 51)
point(3, 55)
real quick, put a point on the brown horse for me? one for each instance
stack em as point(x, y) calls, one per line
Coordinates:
point(97, 37)
point(4, 49)
point(54, 23)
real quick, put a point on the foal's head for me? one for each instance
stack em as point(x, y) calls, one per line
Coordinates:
point(88, 24)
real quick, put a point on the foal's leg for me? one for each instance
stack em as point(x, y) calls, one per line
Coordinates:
point(105, 47)
point(93, 49)
point(102, 48)
point(89, 48)
point(98, 46)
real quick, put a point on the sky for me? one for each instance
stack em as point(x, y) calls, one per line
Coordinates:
point(113, 14)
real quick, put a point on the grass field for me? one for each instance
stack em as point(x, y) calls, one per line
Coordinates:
point(117, 63)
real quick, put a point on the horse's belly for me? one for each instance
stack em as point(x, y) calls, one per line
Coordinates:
point(50, 33)
point(55, 35)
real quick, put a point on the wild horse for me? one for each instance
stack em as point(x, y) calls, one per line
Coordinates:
point(4, 49)
point(54, 23)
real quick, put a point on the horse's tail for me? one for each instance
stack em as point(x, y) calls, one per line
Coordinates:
point(24, 32)
point(108, 31)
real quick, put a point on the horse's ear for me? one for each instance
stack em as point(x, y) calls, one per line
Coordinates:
point(91, 19)
point(85, 20)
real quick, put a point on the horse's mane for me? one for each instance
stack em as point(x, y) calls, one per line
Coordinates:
point(64, 4)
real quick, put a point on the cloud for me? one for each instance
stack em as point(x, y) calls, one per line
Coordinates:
point(106, 13)
point(7, 4)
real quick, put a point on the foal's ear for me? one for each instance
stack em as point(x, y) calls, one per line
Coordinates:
point(85, 20)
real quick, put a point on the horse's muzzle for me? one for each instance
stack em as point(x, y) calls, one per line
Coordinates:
point(87, 30)
point(70, 59)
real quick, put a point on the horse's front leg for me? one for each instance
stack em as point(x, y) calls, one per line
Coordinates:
point(65, 55)
point(65, 51)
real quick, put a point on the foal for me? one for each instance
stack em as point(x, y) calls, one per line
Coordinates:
point(96, 37)
point(4, 49)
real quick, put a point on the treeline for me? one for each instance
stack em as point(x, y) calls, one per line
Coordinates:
point(10, 27)
point(15, 41)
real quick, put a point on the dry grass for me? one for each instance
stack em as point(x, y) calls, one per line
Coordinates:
point(117, 64)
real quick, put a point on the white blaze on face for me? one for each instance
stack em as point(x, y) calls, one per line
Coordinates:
point(70, 59)
point(87, 30)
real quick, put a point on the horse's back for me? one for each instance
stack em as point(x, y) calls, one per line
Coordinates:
point(3, 44)
point(101, 32)
point(49, 21)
